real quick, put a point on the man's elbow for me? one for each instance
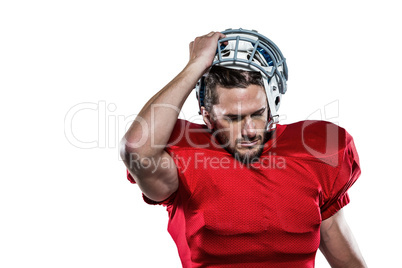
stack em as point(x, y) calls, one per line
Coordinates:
point(129, 154)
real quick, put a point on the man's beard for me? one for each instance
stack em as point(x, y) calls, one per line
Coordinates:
point(245, 158)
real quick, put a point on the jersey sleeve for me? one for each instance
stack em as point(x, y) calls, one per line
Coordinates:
point(348, 173)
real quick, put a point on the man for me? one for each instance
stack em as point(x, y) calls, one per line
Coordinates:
point(243, 190)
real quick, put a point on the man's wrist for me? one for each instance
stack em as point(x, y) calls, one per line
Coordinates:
point(194, 70)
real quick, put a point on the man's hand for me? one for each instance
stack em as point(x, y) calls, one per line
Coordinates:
point(338, 244)
point(203, 49)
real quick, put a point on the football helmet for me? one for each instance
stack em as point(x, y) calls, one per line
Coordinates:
point(250, 51)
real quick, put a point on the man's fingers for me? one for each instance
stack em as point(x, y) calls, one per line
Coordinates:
point(221, 35)
point(218, 34)
point(211, 34)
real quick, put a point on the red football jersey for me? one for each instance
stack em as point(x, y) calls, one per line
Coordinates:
point(266, 214)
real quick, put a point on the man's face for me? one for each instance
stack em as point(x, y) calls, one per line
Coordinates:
point(239, 121)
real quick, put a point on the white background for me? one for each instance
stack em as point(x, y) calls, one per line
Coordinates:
point(65, 206)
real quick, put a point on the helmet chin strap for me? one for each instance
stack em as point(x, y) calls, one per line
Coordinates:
point(274, 117)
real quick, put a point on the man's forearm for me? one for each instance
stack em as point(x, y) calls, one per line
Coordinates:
point(151, 130)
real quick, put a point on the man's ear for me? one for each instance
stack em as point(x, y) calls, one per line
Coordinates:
point(206, 116)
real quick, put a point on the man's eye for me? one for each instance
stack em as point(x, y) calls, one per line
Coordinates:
point(234, 118)
point(257, 115)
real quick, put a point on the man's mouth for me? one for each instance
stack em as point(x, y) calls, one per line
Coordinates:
point(248, 143)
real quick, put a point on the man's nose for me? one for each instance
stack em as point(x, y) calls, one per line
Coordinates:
point(249, 131)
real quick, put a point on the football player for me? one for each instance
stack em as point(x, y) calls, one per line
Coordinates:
point(243, 190)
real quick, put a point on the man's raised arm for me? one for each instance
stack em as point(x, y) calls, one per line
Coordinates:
point(142, 147)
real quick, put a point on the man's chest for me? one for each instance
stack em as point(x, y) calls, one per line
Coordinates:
point(268, 206)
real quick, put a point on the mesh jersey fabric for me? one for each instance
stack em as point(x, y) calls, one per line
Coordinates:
point(267, 214)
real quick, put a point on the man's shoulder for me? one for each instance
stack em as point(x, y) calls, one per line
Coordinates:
point(312, 128)
point(314, 138)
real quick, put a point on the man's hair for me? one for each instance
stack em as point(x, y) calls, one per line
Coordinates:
point(227, 78)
